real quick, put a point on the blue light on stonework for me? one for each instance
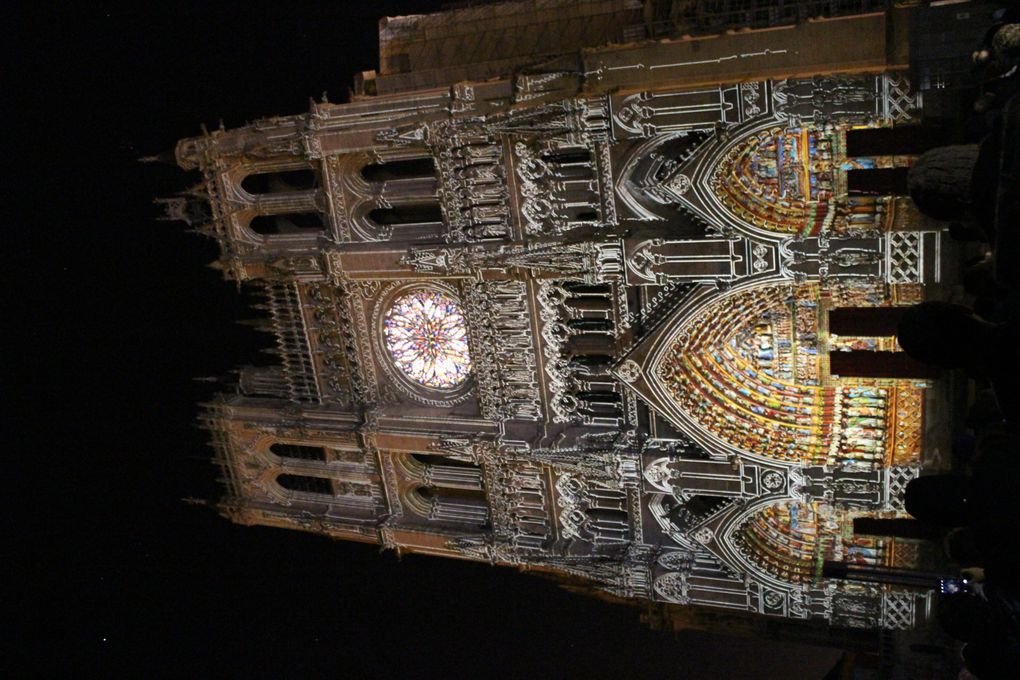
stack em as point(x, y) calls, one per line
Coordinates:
point(426, 335)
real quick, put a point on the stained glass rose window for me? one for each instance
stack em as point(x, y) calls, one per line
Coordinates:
point(426, 335)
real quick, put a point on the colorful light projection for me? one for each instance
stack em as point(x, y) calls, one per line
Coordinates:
point(781, 179)
point(426, 335)
point(748, 370)
point(793, 540)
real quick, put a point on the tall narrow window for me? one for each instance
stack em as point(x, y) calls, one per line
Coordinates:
point(467, 496)
point(419, 213)
point(288, 223)
point(565, 156)
point(306, 484)
point(413, 168)
point(431, 459)
point(299, 452)
point(280, 182)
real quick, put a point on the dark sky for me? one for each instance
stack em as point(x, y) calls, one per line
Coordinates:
point(114, 314)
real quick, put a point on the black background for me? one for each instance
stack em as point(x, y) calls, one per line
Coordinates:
point(113, 315)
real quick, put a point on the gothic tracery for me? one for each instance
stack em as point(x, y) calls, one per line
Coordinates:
point(426, 335)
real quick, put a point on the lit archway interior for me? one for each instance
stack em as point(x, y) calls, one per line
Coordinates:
point(781, 179)
point(748, 370)
point(792, 540)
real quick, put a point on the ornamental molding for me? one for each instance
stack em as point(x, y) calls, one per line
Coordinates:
point(672, 587)
point(583, 260)
point(503, 350)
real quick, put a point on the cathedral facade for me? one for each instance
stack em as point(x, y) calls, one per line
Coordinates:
point(622, 315)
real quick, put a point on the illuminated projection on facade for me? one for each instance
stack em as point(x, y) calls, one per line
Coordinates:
point(594, 332)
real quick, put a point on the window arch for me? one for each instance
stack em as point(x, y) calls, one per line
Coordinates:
point(435, 459)
point(748, 370)
point(790, 540)
point(305, 484)
point(433, 470)
point(406, 214)
point(447, 504)
point(282, 181)
point(287, 223)
point(567, 156)
point(408, 168)
point(299, 451)
point(780, 179)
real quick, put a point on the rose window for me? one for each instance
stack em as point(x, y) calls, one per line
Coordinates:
point(426, 335)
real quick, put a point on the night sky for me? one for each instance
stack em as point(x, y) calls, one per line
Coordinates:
point(115, 315)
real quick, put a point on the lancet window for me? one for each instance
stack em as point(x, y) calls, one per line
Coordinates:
point(411, 168)
point(444, 489)
point(305, 484)
point(455, 505)
point(287, 223)
point(284, 303)
point(583, 332)
point(559, 188)
point(408, 214)
point(284, 181)
point(440, 471)
point(299, 452)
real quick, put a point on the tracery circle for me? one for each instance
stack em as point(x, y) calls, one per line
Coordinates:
point(426, 335)
point(772, 480)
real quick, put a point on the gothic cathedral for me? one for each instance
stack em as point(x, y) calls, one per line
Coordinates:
point(622, 314)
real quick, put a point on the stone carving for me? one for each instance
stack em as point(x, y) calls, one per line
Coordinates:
point(676, 560)
point(672, 587)
point(679, 184)
point(848, 98)
point(472, 176)
point(591, 510)
point(559, 191)
point(531, 86)
point(659, 475)
point(901, 103)
point(503, 352)
point(749, 93)
point(541, 259)
point(772, 599)
point(772, 480)
point(904, 256)
point(703, 535)
point(629, 371)
point(899, 610)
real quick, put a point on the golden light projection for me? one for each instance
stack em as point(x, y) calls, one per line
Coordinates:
point(791, 540)
point(781, 179)
point(749, 371)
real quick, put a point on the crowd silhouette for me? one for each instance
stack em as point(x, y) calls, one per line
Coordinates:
point(976, 187)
